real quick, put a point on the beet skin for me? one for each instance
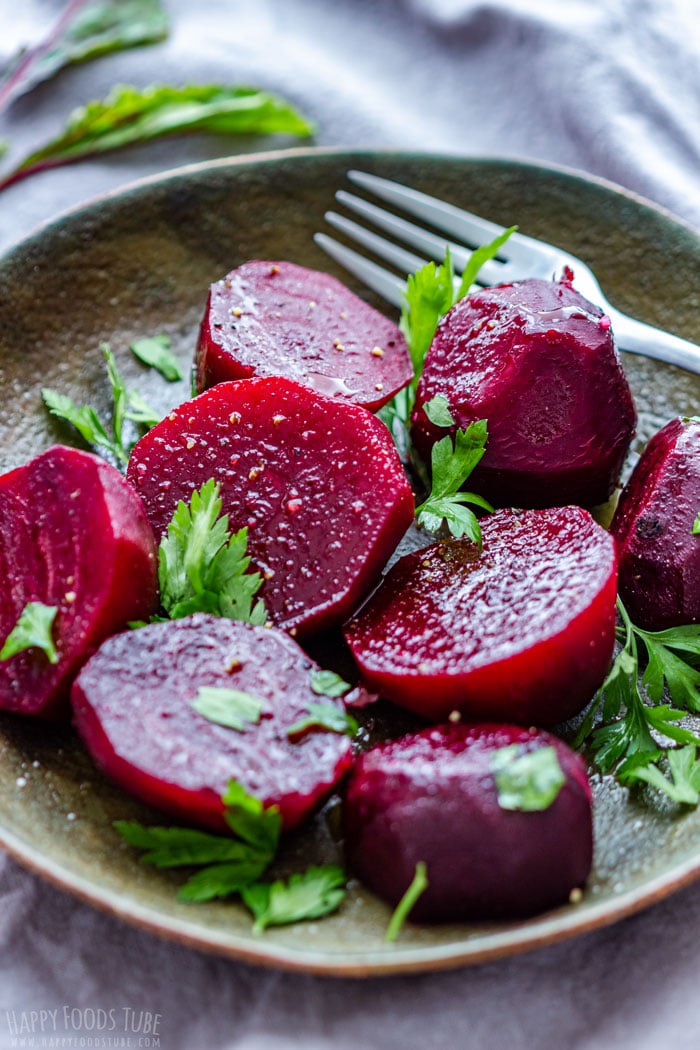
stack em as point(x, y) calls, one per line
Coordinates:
point(276, 318)
point(74, 535)
point(432, 797)
point(521, 632)
point(653, 527)
point(317, 482)
point(538, 361)
point(133, 708)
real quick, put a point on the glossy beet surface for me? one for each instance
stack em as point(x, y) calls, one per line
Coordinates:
point(276, 318)
point(74, 535)
point(432, 797)
point(653, 527)
point(133, 708)
point(521, 632)
point(538, 361)
point(317, 481)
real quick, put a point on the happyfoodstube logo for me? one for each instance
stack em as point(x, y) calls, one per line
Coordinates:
point(70, 1027)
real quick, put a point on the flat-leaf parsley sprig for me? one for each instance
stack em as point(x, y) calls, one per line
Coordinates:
point(127, 405)
point(202, 567)
point(452, 461)
point(431, 292)
point(234, 865)
point(627, 739)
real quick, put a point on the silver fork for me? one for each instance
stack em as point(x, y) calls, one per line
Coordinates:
point(519, 258)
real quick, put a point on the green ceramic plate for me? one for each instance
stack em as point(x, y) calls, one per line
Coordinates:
point(140, 262)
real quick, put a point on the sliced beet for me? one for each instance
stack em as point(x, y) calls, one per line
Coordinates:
point(653, 527)
point(317, 482)
point(521, 632)
point(431, 797)
point(74, 536)
point(132, 704)
point(276, 318)
point(538, 361)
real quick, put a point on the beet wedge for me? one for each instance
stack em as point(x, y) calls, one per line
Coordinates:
point(538, 361)
point(133, 707)
point(658, 550)
point(74, 536)
point(316, 481)
point(276, 318)
point(432, 798)
point(522, 631)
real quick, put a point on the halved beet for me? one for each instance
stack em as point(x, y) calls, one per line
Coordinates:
point(276, 318)
point(74, 535)
point(538, 361)
point(132, 704)
point(653, 527)
point(522, 631)
point(431, 797)
point(316, 480)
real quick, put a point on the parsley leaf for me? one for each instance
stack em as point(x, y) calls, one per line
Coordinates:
point(202, 567)
point(628, 720)
point(325, 716)
point(328, 683)
point(248, 818)
point(180, 847)
point(4, 146)
point(154, 351)
point(228, 707)
point(129, 115)
point(308, 895)
point(418, 886)
point(127, 404)
point(527, 781)
point(231, 863)
point(95, 28)
point(430, 294)
point(684, 783)
point(33, 630)
point(696, 525)
point(438, 411)
point(451, 466)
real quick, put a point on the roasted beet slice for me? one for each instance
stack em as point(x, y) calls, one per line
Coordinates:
point(317, 481)
point(133, 708)
point(276, 318)
point(653, 527)
point(538, 361)
point(432, 797)
point(521, 632)
point(74, 536)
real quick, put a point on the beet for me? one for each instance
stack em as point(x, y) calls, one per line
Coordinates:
point(74, 535)
point(653, 528)
point(538, 361)
point(275, 318)
point(317, 481)
point(133, 708)
point(521, 632)
point(432, 797)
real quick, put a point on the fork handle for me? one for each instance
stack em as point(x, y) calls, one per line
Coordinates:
point(639, 338)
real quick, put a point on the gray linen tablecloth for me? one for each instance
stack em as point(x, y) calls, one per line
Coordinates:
point(607, 86)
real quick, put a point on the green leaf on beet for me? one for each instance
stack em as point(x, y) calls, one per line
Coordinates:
point(33, 630)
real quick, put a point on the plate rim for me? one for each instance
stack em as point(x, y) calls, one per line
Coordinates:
point(539, 932)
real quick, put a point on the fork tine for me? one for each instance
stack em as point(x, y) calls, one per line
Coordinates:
point(403, 260)
point(432, 245)
point(386, 284)
point(429, 243)
point(471, 229)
